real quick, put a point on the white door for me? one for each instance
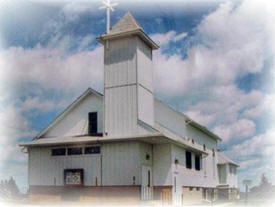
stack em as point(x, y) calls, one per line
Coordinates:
point(146, 183)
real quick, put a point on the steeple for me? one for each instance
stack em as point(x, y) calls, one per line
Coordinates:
point(126, 26)
point(128, 79)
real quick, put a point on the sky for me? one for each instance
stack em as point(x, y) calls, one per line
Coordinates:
point(215, 64)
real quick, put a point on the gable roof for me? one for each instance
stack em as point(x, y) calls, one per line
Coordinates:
point(127, 26)
point(222, 159)
point(92, 91)
point(68, 109)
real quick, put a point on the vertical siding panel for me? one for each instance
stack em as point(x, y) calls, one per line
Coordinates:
point(120, 163)
point(44, 168)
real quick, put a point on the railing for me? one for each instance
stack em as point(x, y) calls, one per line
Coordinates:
point(146, 193)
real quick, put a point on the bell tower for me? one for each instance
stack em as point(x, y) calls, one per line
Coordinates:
point(128, 79)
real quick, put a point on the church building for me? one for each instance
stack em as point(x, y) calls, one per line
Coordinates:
point(125, 144)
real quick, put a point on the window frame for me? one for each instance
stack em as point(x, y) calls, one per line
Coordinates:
point(63, 148)
point(187, 163)
point(69, 153)
point(92, 129)
point(197, 165)
point(92, 153)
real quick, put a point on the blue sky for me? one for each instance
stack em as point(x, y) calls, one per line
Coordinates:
point(215, 64)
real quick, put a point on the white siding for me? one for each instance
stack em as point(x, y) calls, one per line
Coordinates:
point(144, 65)
point(145, 81)
point(121, 111)
point(222, 174)
point(145, 106)
point(120, 62)
point(162, 175)
point(76, 121)
point(145, 149)
point(232, 178)
point(192, 177)
point(48, 170)
point(175, 122)
point(127, 97)
point(120, 163)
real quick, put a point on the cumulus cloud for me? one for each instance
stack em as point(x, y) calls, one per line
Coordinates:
point(242, 128)
point(261, 145)
point(52, 68)
point(13, 125)
point(255, 155)
point(233, 43)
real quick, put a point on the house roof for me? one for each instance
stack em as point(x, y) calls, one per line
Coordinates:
point(92, 91)
point(127, 23)
point(68, 109)
point(153, 138)
point(222, 159)
point(53, 141)
point(202, 128)
point(127, 26)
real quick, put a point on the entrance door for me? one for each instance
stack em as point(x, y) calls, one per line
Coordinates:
point(146, 183)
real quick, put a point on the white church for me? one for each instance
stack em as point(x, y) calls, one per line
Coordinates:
point(125, 144)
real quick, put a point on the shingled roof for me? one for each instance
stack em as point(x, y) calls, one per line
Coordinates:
point(126, 23)
point(127, 26)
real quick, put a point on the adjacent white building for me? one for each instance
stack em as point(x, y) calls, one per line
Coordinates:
point(125, 142)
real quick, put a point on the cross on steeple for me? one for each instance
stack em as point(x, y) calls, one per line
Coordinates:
point(108, 6)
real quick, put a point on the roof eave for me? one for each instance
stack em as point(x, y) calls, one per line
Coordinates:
point(64, 112)
point(202, 128)
point(138, 32)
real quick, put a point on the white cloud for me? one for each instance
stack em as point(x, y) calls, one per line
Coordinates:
point(180, 36)
point(255, 156)
point(266, 106)
point(261, 146)
point(13, 125)
point(165, 38)
point(52, 68)
point(202, 118)
point(242, 128)
point(235, 43)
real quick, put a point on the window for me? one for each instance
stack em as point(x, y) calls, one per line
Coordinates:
point(197, 188)
point(147, 157)
point(92, 150)
point(58, 151)
point(92, 125)
point(213, 151)
point(193, 142)
point(75, 151)
point(190, 188)
point(197, 162)
point(204, 147)
point(188, 160)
